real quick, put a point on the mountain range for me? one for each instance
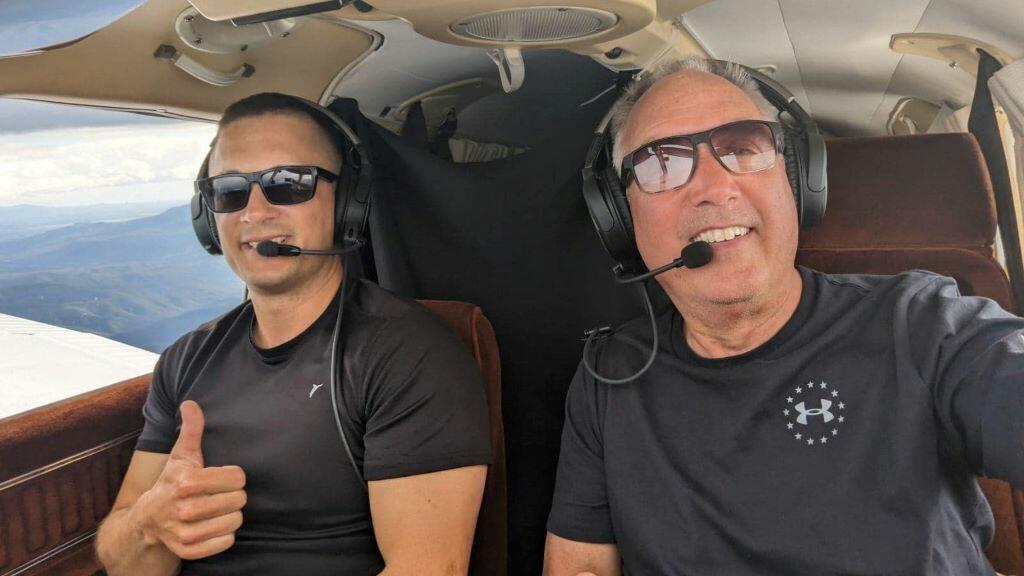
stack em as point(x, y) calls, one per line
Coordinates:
point(24, 220)
point(143, 281)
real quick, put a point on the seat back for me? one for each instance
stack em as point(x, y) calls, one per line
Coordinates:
point(61, 467)
point(490, 545)
point(898, 203)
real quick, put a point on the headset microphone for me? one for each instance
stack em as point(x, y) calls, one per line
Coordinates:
point(271, 249)
point(694, 255)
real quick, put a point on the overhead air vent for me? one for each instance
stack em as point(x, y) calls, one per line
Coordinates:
point(535, 24)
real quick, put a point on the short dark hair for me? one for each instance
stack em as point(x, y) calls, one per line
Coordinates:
point(277, 103)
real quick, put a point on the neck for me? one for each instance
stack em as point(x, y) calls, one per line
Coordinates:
point(723, 330)
point(281, 317)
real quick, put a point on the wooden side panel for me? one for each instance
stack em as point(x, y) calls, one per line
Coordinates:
point(60, 469)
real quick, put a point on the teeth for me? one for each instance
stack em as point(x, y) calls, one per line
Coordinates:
point(720, 234)
point(255, 243)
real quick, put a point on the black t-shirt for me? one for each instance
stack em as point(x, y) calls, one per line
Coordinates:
point(414, 403)
point(846, 444)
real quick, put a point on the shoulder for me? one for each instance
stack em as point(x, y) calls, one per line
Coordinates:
point(910, 282)
point(388, 318)
point(204, 337)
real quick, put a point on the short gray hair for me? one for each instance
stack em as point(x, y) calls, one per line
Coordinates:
point(731, 71)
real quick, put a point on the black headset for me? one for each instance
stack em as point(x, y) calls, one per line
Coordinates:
point(351, 192)
point(804, 152)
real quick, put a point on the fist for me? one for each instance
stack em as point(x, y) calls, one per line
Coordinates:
point(193, 510)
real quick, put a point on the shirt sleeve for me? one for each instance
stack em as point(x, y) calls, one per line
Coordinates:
point(580, 510)
point(426, 408)
point(159, 433)
point(971, 352)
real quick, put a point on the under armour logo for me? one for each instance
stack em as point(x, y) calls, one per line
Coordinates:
point(317, 387)
point(823, 412)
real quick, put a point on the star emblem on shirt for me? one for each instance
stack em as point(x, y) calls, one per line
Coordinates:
point(813, 413)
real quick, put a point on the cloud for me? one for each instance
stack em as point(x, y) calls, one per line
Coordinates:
point(56, 166)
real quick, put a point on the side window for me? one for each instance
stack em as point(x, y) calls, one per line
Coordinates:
point(99, 267)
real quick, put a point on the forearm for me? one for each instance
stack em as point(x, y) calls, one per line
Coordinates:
point(123, 549)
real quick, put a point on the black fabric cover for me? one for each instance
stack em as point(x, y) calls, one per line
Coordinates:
point(512, 236)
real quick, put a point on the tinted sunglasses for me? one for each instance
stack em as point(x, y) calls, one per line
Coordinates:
point(740, 147)
point(282, 186)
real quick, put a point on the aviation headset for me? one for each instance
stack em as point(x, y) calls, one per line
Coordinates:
point(351, 192)
point(804, 152)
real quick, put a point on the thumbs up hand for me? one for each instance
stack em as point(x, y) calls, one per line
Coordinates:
point(192, 510)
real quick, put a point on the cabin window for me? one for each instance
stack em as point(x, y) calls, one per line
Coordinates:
point(99, 267)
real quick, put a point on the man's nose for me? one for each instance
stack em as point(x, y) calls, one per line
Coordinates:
point(258, 208)
point(710, 183)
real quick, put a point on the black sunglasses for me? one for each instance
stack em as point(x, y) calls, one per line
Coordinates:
point(740, 147)
point(281, 185)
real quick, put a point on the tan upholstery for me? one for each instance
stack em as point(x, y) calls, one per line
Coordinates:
point(897, 203)
point(61, 467)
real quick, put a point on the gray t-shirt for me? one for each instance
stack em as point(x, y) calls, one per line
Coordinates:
point(414, 403)
point(846, 444)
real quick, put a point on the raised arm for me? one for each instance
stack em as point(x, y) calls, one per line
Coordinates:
point(424, 524)
point(171, 508)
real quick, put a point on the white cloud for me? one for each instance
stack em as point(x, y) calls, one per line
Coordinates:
point(113, 164)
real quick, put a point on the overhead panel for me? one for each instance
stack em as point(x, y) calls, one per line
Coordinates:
point(832, 54)
point(409, 64)
point(996, 22)
point(843, 52)
point(750, 32)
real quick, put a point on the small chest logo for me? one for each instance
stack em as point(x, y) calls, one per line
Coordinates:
point(814, 413)
point(315, 388)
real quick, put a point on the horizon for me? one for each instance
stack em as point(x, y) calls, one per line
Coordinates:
point(93, 159)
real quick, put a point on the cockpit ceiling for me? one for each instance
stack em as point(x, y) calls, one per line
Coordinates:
point(116, 66)
point(834, 54)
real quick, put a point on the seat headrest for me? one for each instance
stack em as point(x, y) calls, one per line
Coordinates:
point(930, 190)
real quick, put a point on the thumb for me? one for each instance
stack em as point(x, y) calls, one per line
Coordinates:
point(190, 438)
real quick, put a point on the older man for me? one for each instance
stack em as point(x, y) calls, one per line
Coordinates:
point(793, 422)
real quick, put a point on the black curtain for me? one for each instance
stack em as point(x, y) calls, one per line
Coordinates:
point(512, 236)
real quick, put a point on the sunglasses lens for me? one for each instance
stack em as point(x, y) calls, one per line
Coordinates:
point(290, 185)
point(663, 166)
point(745, 147)
point(225, 193)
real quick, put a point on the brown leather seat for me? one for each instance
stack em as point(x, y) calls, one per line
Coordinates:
point(898, 203)
point(490, 546)
point(61, 467)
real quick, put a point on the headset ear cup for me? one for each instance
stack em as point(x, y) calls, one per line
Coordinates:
point(792, 157)
point(212, 224)
point(630, 256)
point(203, 224)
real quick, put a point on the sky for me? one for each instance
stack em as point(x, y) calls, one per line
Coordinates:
point(31, 24)
point(58, 155)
